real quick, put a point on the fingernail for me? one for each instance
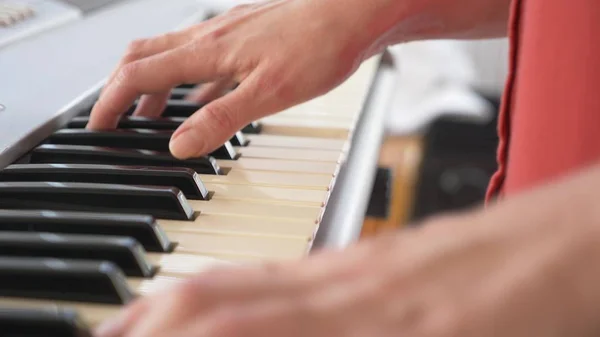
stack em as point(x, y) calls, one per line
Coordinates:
point(183, 145)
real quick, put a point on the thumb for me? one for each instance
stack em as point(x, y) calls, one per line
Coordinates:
point(214, 124)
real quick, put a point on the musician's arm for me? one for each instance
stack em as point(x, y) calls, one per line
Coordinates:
point(396, 21)
point(281, 53)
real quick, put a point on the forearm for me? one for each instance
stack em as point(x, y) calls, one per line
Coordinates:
point(381, 23)
point(562, 220)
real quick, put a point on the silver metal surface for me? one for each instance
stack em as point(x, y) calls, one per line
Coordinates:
point(44, 16)
point(346, 208)
point(45, 80)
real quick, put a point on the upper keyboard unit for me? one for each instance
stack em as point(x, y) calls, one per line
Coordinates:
point(20, 19)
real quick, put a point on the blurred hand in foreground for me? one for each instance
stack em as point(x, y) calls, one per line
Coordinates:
point(512, 271)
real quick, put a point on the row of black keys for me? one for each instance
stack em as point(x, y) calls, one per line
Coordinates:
point(77, 256)
point(42, 323)
point(128, 178)
point(84, 256)
point(128, 170)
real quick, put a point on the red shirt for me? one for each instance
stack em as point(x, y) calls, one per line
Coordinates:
point(549, 122)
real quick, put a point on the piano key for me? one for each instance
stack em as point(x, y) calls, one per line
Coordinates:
point(253, 128)
point(182, 108)
point(290, 180)
point(302, 128)
point(322, 113)
point(297, 142)
point(302, 121)
point(143, 228)
point(37, 322)
point(185, 265)
point(185, 179)
point(145, 139)
point(222, 246)
point(271, 195)
point(92, 314)
point(125, 252)
point(61, 279)
point(255, 208)
point(245, 211)
point(238, 237)
point(169, 203)
point(180, 93)
point(187, 86)
point(238, 139)
point(152, 234)
point(161, 123)
point(156, 140)
point(290, 154)
point(175, 108)
point(76, 154)
point(53, 283)
point(134, 122)
point(241, 226)
point(263, 139)
point(279, 165)
point(96, 312)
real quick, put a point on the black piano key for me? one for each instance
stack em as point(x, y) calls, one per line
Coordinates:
point(239, 139)
point(161, 202)
point(160, 123)
point(64, 280)
point(180, 93)
point(174, 108)
point(143, 228)
point(77, 154)
point(155, 140)
point(185, 179)
point(17, 322)
point(134, 122)
point(225, 152)
point(187, 86)
point(253, 128)
point(145, 139)
point(124, 252)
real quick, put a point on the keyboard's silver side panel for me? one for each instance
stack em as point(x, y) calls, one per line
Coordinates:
point(41, 75)
point(344, 217)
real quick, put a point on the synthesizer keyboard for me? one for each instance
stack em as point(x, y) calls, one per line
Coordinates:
point(21, 19)
point(91, 220)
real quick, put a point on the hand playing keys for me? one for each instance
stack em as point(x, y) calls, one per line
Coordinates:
point(277, 61)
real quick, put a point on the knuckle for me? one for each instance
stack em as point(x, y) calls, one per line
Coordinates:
point(270, 85)
point(126, 74)
point(169, 39)
point(195, 51)
point(135, 49)
point(221, 117)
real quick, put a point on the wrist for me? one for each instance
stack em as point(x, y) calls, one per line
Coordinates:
point(370, 27)
point(382, 23)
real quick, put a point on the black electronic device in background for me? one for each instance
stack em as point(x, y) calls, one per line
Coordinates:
point(458, 161)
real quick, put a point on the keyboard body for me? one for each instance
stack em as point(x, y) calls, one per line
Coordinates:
point(22, 19)
point(310, 167)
